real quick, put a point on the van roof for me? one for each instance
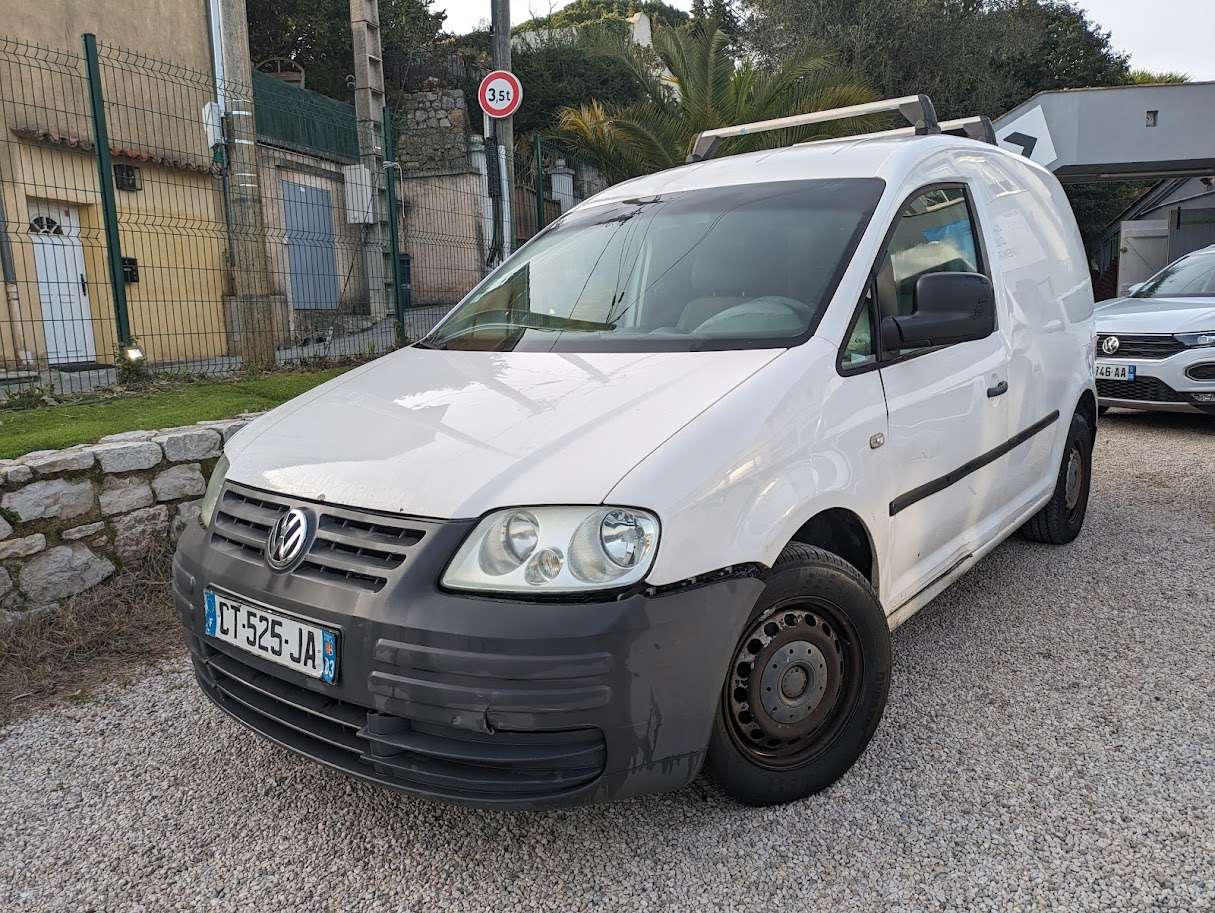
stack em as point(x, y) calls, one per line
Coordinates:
point(890, 157)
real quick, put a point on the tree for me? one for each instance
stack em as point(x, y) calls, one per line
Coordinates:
point(564, 70)
point(316, 35)
point(715, 90)
point(969, 56)
point(722, 11)
point(585, 12)
point(1060, 48)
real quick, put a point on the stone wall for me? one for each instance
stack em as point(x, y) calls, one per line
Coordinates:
point(433, 133)
point(70, 519)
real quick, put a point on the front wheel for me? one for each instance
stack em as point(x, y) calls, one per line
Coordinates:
point(807, 684)
point(1060, 520)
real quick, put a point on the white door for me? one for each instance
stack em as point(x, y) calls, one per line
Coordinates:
point(67, 318)
point(1143, 252)
point(946, 405)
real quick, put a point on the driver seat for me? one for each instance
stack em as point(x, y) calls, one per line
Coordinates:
point(730, 272)
point(717, 280)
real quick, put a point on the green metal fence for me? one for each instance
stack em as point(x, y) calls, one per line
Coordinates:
point(149, 225)
point(295, 118)
point(549, 181)
point(156, 222)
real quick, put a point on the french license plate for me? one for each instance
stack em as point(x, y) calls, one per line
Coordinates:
point(306, 648)
point(1115, 372)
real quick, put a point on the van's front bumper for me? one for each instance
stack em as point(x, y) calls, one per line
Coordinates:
point(471, 699)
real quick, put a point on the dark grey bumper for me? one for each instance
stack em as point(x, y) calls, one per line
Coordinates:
point(471, 699)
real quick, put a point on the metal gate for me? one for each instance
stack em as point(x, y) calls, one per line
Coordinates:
point(1143, 251)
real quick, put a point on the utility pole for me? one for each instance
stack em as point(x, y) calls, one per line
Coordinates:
point(369, 112)
point(250, 270)
point(505, 128)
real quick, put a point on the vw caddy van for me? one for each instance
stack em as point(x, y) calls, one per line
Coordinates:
point(651, 498)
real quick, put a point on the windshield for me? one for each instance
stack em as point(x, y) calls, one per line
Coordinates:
point(750, 266)
point(1192, 276)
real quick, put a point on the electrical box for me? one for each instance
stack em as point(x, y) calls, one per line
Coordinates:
point(130, 269)
point(359, 210)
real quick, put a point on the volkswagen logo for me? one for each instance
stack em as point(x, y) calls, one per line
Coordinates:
point(287, 539)
point(1109, 345)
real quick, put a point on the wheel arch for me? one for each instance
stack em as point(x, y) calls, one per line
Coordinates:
point(1087, 406)
point(843, 533)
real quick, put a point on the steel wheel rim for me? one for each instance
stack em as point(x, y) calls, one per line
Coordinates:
point(1074, 479)
point(811, 712)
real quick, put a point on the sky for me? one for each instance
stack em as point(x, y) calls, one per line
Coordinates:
point(1176, 35)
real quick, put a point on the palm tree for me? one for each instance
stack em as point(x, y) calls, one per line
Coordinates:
point(689, 82)
point(1152, 78)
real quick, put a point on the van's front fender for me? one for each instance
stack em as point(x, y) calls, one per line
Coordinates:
point(736, 484)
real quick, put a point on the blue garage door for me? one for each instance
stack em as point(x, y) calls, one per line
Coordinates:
point(311, 258)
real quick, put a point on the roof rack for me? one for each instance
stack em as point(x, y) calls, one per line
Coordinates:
point(917, 109)
point(977, 128)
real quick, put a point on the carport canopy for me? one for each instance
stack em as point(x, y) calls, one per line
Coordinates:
point(1115, 134)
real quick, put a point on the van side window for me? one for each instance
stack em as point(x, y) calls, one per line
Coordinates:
point(935, 233)
point(859, 351)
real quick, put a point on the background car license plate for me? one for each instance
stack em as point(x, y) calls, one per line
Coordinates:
point(1115, 372)
point(306, 648)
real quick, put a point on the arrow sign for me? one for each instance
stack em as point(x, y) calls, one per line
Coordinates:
point(1025, 141)
point(1028, 135)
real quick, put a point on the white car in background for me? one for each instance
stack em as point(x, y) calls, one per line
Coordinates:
point(1156, 347)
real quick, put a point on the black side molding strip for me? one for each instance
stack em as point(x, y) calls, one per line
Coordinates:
point(921, 492)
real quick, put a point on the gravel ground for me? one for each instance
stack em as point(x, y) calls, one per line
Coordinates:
point(1048, 745)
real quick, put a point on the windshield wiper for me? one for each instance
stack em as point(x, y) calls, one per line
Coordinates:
point(527, 320)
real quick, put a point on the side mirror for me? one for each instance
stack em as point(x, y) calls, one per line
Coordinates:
point(1131, 289)
point(949, 308)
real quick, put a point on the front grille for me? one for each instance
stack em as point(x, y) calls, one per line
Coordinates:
point(1149, 347)
point(1204, 371)
point(437, 760)
point(1145, 388)
point(355, 549)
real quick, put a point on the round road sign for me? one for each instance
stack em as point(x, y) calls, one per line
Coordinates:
point(500, 93)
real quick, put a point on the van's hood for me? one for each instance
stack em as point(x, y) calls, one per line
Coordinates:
point(1156, 315)
point(454, 434)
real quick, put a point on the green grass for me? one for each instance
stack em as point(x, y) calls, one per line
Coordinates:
point(55, 427)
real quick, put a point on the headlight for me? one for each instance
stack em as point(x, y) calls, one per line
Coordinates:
point(1193, 340)
point(555, 550)
point(211, 497)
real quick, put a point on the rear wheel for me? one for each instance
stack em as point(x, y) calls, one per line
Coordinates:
point(1060, 521)
point(807, 684)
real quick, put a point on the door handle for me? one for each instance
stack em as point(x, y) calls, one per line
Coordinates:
point(997, 390)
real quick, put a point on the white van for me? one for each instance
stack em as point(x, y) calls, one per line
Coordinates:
point(653, 495)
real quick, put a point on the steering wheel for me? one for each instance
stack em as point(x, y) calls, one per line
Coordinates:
point(760, 312)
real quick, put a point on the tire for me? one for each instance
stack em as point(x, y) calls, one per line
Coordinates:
point(821, 638)
point(1061, 519)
